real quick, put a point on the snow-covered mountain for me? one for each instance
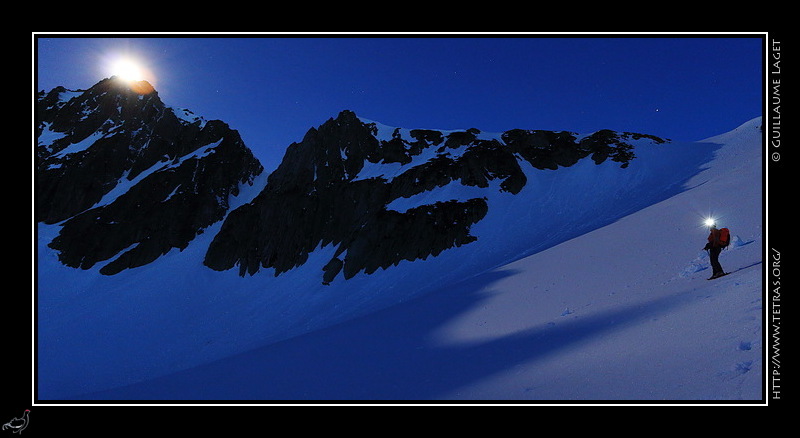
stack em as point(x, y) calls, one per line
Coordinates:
point(389, 263)
point(128, 178)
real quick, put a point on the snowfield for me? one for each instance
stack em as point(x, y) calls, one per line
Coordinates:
point(611, 303)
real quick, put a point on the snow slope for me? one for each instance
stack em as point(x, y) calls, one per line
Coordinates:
point(618, 309)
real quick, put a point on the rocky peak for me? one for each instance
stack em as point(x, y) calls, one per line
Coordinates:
point(128, 179)
point(318, 195)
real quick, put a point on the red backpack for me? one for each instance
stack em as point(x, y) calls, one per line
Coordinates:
point(724, 237)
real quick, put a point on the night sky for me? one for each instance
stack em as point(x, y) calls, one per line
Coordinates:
point(272, 89)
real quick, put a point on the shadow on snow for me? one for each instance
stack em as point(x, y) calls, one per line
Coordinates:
point(386, 355)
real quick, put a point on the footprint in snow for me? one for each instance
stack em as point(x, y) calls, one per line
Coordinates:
point(737, 370)
point(743, 367)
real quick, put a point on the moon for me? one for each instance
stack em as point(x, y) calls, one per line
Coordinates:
point(128, 70)
point(131, 70)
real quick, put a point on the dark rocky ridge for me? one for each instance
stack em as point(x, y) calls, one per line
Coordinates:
point(314, 199)
point(181, 173)
point(186, 172)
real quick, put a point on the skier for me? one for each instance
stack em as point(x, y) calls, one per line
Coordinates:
point(714, 248)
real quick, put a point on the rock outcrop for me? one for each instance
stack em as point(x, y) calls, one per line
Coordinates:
point(318, 197)
point(129, 178)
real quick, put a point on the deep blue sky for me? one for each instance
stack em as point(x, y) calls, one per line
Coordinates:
point(273, 89)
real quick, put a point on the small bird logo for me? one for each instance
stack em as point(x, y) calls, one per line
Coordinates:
point(18, 424)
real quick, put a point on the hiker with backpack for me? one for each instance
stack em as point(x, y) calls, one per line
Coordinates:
point(718, 239)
